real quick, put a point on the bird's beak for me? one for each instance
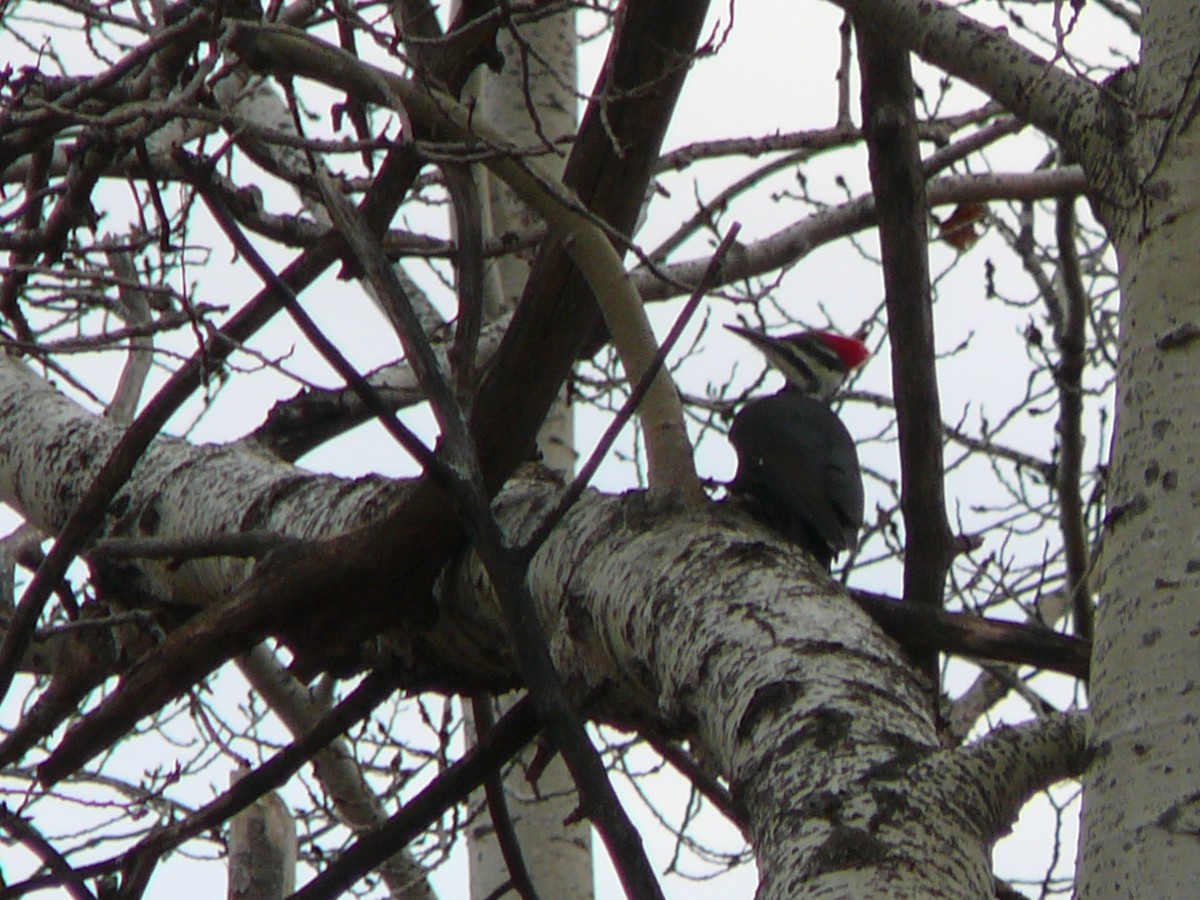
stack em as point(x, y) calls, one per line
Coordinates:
point(757, 338)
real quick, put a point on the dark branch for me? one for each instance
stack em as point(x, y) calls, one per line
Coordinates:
point(923, 629)
point(493, 788)
point(1072, 349)
point(61, 872)
point(514, 730)
point(889, 118)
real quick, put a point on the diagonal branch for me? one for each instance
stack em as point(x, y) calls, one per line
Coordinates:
point(395, 176)
point(514, 730)
point(580, 482)
point(62, 872)
point(286, 52)
point(497, 804)
point(335, 765)
point(272, 774)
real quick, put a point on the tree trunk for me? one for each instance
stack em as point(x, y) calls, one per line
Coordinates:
point(702, 623)
point(531, 99)
point(262, 851)
point(1140, 810)
point(718, 633)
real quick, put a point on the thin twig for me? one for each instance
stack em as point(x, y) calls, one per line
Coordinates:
point(311, 331)
point(493, 787)
point(272, 774)
point(138, 862)
point(846, 60)
point(117, 468)
point(514, 730)
point(335, 765)
point(687, 765)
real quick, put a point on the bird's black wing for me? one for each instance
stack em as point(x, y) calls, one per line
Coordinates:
point(799, 467)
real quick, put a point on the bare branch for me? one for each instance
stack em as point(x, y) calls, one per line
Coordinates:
point(1072, 347)
point(795, 242)
point(514, 730)
point(587, 244)
point(888, 120)
point(1066, 107)
point(60, 869)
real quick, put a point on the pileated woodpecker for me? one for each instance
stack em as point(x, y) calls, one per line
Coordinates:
point(797, 467)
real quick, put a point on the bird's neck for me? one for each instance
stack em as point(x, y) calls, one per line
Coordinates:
point(791, 389)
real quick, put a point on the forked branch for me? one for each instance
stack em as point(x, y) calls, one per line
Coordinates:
point(283, 52)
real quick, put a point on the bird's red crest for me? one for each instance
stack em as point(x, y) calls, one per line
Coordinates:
point(851, 351)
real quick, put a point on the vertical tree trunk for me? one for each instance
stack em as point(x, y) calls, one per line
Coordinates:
point(262, 851)
point(1140, 808)
point(538, 77)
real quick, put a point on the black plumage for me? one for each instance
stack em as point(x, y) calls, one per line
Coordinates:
point(798, 472)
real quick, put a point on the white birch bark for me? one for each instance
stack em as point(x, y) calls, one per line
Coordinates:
point(1141, 816)
point(50, 447)
point(532, 100)
point(262, 851)
point(714, 630)
point(701, 623)
point(1142, 157)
